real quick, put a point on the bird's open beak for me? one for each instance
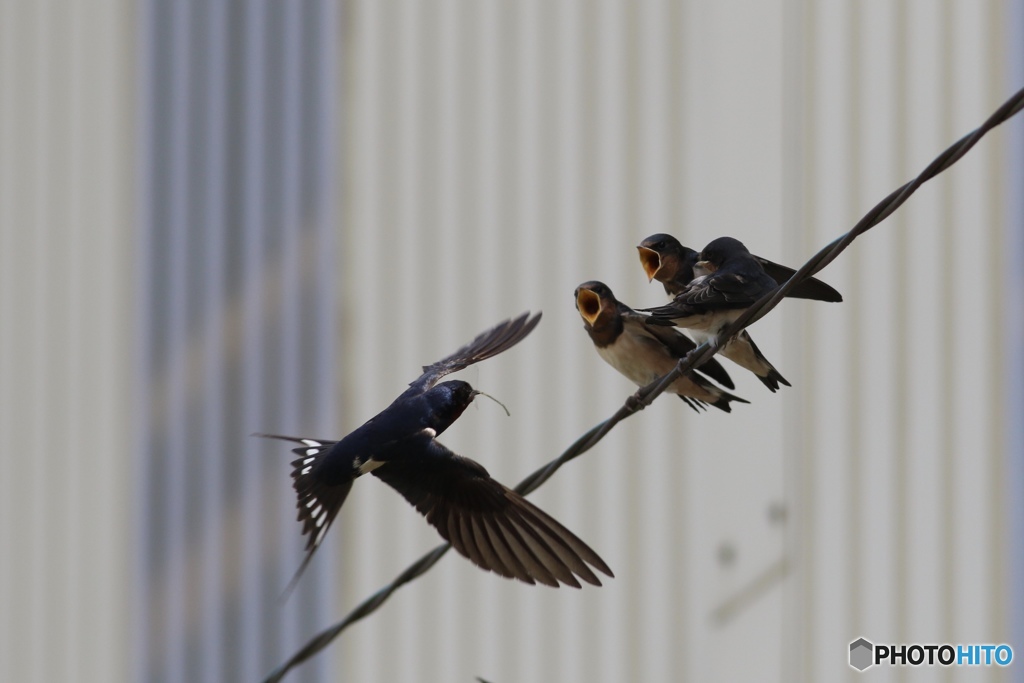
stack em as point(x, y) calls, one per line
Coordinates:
point(589, 305)
point(650, 260)
point(706, 266)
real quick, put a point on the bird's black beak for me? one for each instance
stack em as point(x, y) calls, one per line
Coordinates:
point(650, 260)
point(588, 303)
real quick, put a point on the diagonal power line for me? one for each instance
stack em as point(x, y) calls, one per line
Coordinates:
point(644, 396)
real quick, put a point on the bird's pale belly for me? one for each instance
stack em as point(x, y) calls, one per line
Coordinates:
point(640, 362)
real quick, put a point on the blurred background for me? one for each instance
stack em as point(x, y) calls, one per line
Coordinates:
point(218, 218)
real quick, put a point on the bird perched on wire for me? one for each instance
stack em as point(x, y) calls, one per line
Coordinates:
point(729, 279)
point(496, 528)
point(643, 353)
point(666, 260)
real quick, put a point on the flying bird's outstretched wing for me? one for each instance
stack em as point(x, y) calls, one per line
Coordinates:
point(493, 526)
point(499, 338)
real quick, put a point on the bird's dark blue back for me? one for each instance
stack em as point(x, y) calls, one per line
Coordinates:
point(412, 412)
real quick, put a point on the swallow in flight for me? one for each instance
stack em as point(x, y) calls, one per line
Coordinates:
point(494, 527)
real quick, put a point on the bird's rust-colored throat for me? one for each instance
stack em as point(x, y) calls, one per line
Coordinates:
point(650, 260)
point(589, 305)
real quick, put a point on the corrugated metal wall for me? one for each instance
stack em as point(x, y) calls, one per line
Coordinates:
point(66, 339)
point(237, 312)
point(899, 479)
point(174, 276)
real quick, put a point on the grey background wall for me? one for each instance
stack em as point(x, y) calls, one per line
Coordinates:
point(222, 218)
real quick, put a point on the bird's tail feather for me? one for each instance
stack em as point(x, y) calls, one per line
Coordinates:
point(318, 501)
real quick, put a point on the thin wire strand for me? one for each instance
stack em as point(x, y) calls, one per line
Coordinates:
point(646, 395)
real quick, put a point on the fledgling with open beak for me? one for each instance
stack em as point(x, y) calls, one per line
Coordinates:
point(643, 353)
point(728, 281)
point(666, 260)
point(494, 527)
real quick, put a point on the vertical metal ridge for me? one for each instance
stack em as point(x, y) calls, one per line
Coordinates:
point(680, 601)
point(492, 270)
point(560, 47)
point(143, 645)
point(529, 63)
point(213, 487)
point(361, 177)
point(37, 389)
point(171, 518)
point(602, 222)
point(253, 630)
point(797, 660)
point(855, 526)
point(10, 632)
point(974, 431)
point(284, 113)
point(109, 103)
point(995, 379)
point(8, 342)
point(949, 332)
point(409, 272)
point(79, 487)
point(628, 176)
point(322, 374)
point(900, 340)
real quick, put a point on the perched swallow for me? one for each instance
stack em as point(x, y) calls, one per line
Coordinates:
point(496, 528)
point(666, 260)
point(729, 280)
point(643, 353)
